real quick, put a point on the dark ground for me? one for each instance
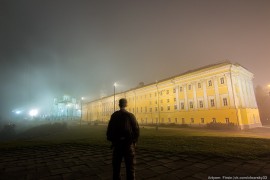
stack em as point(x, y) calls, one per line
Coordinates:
point(77, 161)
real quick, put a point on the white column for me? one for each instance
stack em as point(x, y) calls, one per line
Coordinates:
point(194, 95)
point(243, 103)
point(216, 92)
point(177, 96)
point(205, 94)
point(247, 94)
point(230, 89)
point(252, 95)
point(185, 94)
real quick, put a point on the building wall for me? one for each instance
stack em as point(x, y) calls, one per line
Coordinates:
point(220, 93)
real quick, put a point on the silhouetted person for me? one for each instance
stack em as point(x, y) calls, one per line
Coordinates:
point(123, 131)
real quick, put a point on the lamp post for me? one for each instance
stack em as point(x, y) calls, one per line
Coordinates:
point(82, 98)
point(158, 106)
point(114, 85)
point(268, 89)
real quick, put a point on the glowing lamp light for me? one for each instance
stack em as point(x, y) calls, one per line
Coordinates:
point(33, 112)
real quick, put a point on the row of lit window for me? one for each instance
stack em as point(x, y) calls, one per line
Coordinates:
point(183, 120)
point(182, 106)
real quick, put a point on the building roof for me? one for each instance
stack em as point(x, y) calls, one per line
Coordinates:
point(203, 68)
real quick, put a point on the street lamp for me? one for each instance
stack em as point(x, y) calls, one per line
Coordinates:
point(158, 123)
point(33, 113)
point(114, 85)
point(82, 98)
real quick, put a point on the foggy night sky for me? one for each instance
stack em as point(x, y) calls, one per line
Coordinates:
point(80, 48)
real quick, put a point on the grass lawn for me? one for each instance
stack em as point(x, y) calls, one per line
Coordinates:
point(241, 144)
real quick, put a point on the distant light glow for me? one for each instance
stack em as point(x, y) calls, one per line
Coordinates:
point(18, 112)
point(33, 112)
point(115, 84)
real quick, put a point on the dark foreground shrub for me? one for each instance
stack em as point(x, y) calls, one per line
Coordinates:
point(221, 126)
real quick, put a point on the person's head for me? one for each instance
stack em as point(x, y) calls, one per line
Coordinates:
point(122, 103)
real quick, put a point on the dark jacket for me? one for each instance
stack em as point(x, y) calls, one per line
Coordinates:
point(123, 127)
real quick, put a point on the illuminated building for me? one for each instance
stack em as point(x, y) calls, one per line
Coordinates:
point(66, 107)
point(221, 93)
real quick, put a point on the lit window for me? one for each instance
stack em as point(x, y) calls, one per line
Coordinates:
point(174, 99)
point(227, 120)
point(161, 108)
point(175, 120)
point(181, 89)
point(225, 102)
point(169, 120)
point(168, 100)
point(192, 120)
point(189, 87)
point(199, 85)
point(175, 106)
point(183, 120)
point(168, 108)
point(214, 120)
point(156, 108)
point(174, 90)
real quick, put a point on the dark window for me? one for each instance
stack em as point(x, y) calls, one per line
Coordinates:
point(209, 83)
point(212, 101)
point(225, 102)
point(182, 105)
point(202, 120)
point(201, 103)
point(221, 80)
point(191, 104)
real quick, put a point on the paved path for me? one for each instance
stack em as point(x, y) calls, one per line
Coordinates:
point(71, 161)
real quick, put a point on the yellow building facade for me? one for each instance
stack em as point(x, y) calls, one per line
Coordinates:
point(221, 93)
